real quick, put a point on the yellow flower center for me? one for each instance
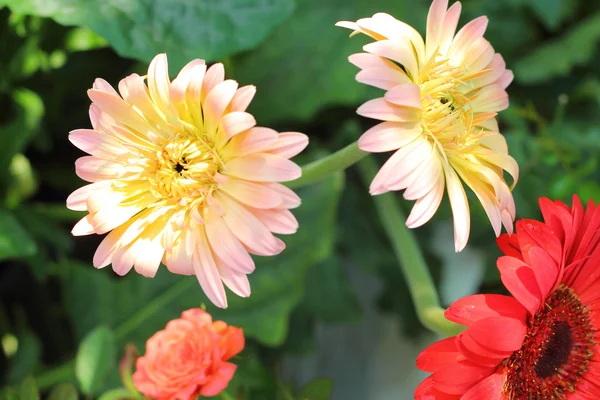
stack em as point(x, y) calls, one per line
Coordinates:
point(447, 116)
point(184, 168)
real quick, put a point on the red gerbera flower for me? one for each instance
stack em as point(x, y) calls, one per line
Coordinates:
point(541, 343)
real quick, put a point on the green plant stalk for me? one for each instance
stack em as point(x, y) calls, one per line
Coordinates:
point(411, 260)
point(66, 371)
point(322, 168)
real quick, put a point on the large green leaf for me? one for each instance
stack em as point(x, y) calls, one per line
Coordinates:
point(96, 357)
point(15, 135)
point(138, 306)
point(185, 29)
point(304, 65)
point(15, 242)
point(558, 57)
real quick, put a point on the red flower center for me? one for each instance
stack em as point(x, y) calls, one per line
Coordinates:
point(556, 350)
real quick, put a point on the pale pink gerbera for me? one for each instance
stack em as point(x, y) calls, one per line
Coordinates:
point(441, 99)
point(181, 175)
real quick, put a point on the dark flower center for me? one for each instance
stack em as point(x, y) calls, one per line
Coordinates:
point(179, 168)
point(560, 342)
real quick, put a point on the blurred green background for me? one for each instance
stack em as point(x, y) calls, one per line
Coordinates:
point(63, 322)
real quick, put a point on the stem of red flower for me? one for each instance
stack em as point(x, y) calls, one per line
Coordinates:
point(322, 168)
point(411, 260)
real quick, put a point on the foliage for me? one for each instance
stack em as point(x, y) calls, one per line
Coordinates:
point(64, 325)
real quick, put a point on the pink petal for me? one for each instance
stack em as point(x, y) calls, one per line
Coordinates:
point(92, 169)
point(435, 25)
point(469, 34)
point(277, 221)
point(396, 51)
point(96, 143)
point(148, 255)
point(101, 85)
point(385, 111)
point(207, 272)
point(77, 200)
point(248, 229)
point(253, 194)
point(123, 260)
point(289, 144)
point(450, 23)
point(393, 174)
point(235, 122)
point(235, 280)
point(384, 78)
point(216, 103)
point(406, 95)
point(289, 198)
point(490, 98)
point(193, 94)
point(159, 86)
point(177, 92)
point(544, 267)
point(242, 98)
point(255, 140)
point(426, 206)
point(460, 208)
point(505, 79)
point(263, 167)
point(120, 110)
point(83, 227)
point(388, 136)
point(214, 76)
point(227, 246)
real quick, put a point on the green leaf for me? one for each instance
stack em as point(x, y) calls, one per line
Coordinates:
point(96, 357)
point(304, 65)
point(118, 394)
point(15, 135)
point(137, 307)
point(552, 12)
point(558, 57)
point(331, 298)
point(319, 389)
point(64, 391)
point(22, 184)
point(185, 29)
point(15, 242)
point(26, 359)
point(588, 190)
point(28, 389)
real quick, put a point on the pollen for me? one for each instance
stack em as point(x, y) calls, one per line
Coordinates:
point(183, 169)
point(556, 351)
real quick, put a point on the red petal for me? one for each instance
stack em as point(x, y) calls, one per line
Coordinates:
point(520, 281)
point(427, 391)
point(460, 376)
point(478, 353)
point(544, 267)
point(502, 334)
point(470, 309)
point(438, 355)
point(509, 245)
point(535, 233)
point(488, 389)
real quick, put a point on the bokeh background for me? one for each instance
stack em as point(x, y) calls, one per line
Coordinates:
point(331, 316)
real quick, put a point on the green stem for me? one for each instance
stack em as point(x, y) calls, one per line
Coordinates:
point(226, 396)
point(66, 373)
point(322, 168)
point(410, 257)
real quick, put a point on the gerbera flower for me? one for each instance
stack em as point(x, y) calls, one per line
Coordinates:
point(540, 344)
point(439, 109)
point(181, 175)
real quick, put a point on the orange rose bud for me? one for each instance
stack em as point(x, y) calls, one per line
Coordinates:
point(188, 358)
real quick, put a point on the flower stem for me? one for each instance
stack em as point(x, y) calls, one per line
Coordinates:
point(322, 168)
point(410, 257)
point(66, 373)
